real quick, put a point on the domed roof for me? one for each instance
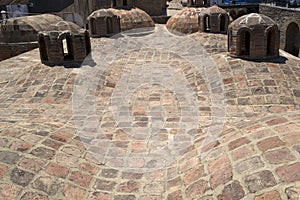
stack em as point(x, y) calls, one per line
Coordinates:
point(213, 10)
point(185, 21)
point(64, 26)
point(36, 22)
point(252, 20)
point(102, 13)
point(129, 19)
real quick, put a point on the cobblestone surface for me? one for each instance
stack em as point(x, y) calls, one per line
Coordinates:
point(167, 117)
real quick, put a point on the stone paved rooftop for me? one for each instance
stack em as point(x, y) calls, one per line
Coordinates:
point(151, 116)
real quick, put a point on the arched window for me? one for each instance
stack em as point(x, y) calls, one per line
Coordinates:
point(206, 23)
point(232, 14)
point(271, 42)
point(93, 26)
point(87, 43)
point(109, 25)
point(67, 48)
point(292, 39)
point(244, 42)
point(43, 50)
point(222, 23)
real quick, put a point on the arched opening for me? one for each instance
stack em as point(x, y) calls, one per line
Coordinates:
point(232, 14)
point(222, 23)
point(114, 3)
point(43, 49)
point(67, 48)
point(271, 42)
point(244, 43)
point(109, 25)
point(206, 23)
point(292, 39)
point(93, 26)
point(87, 43)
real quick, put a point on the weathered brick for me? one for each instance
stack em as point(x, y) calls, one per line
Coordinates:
point(260, 180)
point(196, 190)
point(238, 142)
point(154, 187)
point(109, 173)
point(253, 163)
point(3, 170)
point(174, 184)
point(293, 192)
point(219, 163)
point(233, 191)
point(21, 177)
point(276, 121)
point(193, 175)
point(8, 192)
point(175, 195)
point(279, 156)
point(222, 176)
point(289, 173)
point(48, 185)
point(81, 179)
point(31, 164)
point(42, 152)
point(242, 152)
point(100, 196)
point(270, 143)
point(57, 170)
point(74, 193)
point(20, 146)
point(124, 197)
point(33, 196)
point(9, 157)
point(104, 185)
point(273, 195)
point(129, 187)
point(87, 167)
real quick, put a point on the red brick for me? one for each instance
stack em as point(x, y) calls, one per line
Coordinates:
point(87, 167)
point(279, 156)
point(100, 196)
point(240, 153)
point(74, 193)
point(290, 173)
point(270, 143)
point(175, 195)
point(292, 138)
point(259, 181)
point(9, 191)
point(129, 187)
point(276, 121)
point(222, 176)
point(196, 190)
point(273, 195)
point(207, 147)
point(233, 191)
point(3, 170)
point(81, 179)
point(237, 143)
point(193, 175)
point(61, 136)
point(287, 127)
point(219, 163)
point(57, 170)
point(20, 146)
point(31, 164)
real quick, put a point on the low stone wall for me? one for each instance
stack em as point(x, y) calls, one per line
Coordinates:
point(8, 50)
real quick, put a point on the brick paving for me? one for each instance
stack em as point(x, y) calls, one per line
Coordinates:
point(150, 116)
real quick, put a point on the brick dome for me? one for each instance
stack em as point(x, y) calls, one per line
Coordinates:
point(64, 26)
point(25, 29)
point(253, 36)
point(253, 20)
point(213, 10)
point(185, 21)
point(106, 22)
point(214, 20)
